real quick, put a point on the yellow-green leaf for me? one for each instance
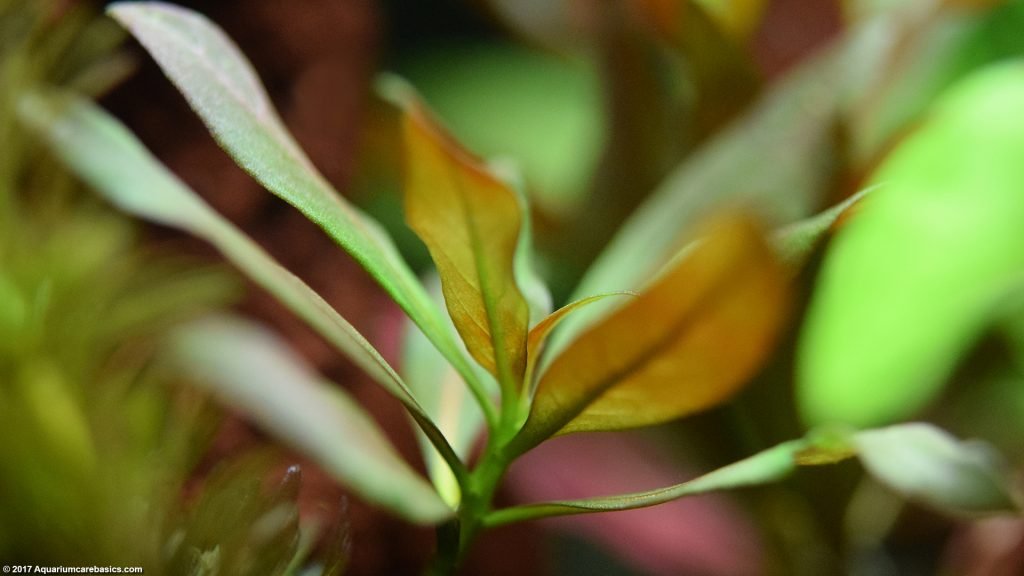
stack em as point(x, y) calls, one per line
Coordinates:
point(470, 221)
point(685, 344)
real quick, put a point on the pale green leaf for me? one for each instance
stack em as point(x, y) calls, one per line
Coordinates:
point(221, 86)
point(927, 464)
point(256, 372)
point(910, 283)
point(102, 152)
point(767, 466)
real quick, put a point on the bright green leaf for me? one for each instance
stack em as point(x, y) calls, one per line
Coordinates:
point(911, 281)
point(471, 222)
point(925, 463)
point(222, 88)
point(87, 138)
point(256, 372)
point(685, 344)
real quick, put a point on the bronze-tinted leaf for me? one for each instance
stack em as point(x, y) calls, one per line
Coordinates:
point(685, 344)
point(470, 221)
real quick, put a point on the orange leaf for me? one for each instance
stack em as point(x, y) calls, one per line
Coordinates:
point(687, 343)
point(470, 221)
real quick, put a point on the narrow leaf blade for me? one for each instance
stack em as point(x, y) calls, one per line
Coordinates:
point(254, 371)
point(87, 138)
point(221, 86)
point(764, 467)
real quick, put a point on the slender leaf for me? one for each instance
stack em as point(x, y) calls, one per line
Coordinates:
point(89, 140)
point(470, 221)
point(911, 281)
point(768, 466)
point(927, 464)
point(687, 343)
point(256, 372)
point(223, 89)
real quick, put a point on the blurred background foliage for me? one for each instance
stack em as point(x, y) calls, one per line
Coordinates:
point(103, 448)
point(643, 113)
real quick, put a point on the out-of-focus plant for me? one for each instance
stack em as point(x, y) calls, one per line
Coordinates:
point(99, 440)
point(690, 298)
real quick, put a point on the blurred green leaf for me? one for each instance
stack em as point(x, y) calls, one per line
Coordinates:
point(927, 464)
point(911, 281)
point(912, 52)
point(471, 222)
point(683, 345)
point(86, 138)
point(256, 372)
point(223, 89)
point(236, 527)
point(745, 165)
point(795, 243)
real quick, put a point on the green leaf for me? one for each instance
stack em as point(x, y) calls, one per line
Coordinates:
point(685, 344)
point(911, 281)
point(767, 466)
point(794, 243)
point(223, 89)
point(254, 371)
point(102, 151)
point(471, 222)
point(927, 464)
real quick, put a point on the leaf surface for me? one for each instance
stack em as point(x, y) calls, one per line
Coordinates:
point(685, 344)
point(470, 221)
point(912, 280)
point(929, 465)
point(255, 371)
point(221, 86)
